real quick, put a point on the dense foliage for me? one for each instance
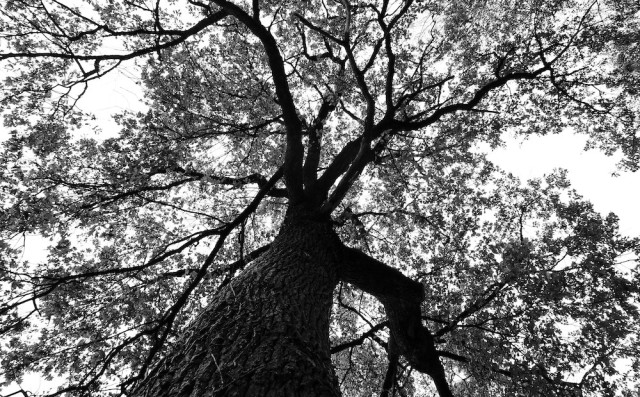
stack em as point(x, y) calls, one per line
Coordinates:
point(381, 108)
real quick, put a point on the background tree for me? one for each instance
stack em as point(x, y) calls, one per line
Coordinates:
point(223, 241)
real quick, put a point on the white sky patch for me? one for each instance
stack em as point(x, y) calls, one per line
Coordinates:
point(591, 172)
point(115, 93)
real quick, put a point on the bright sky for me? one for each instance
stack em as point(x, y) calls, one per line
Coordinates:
point(590, 173)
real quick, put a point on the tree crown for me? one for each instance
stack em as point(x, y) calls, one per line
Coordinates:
point(365, 113)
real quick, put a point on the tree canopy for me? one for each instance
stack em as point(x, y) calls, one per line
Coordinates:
point(377, 114)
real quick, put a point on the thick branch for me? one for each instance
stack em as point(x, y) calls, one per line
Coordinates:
point(339, 165)
point(313, 153)
point(295, 151)
point(391, 57)
point(362, 157)
point(401, 298)
point(378, 279)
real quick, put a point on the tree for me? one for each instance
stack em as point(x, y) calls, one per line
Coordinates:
point(305, 208)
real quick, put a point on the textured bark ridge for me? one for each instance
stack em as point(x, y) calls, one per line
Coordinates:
point(265, 334)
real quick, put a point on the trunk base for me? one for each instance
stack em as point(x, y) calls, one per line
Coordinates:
point(265, 334)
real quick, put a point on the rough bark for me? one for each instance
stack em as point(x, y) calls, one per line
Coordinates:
point(265, 334)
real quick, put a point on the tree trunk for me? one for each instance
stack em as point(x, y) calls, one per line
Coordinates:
point(267, 332)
